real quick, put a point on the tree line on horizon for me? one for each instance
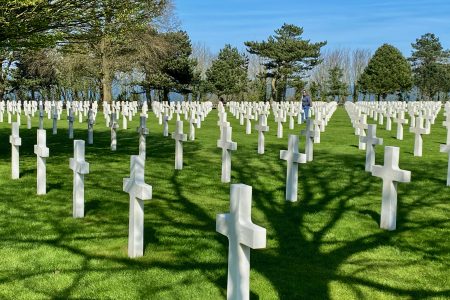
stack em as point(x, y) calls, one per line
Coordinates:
point(62, 50)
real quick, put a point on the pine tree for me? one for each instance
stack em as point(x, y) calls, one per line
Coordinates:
point(227, 75)
point(287, 57)
point(336, 87)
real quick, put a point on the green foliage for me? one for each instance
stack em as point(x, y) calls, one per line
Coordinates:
point(428, 61)
point(287, 56)
point(336, 87)
point(227, 75)
point(388, 72)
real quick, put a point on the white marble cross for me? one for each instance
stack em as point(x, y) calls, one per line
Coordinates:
point(139, 191)
point(91, 122)
point(79, 167)
point(279, 119)
point(362, 126)
point(391, 175)
point(242, 235)
point(143, 132)
point(227, 146)
point(249, 116)
point(261, 128)
point(15, 142)
point(418, 130)
point(165, 124)
point(55, 120)
point(179, 138)
point(70, 118)
point(309, 143)
point(446, 149)
point(371, 140)
point(42, 152)
point(293, 158)
point(41, 117)
point(192, 122)
point(400, 120)
point(113, 124)
point(446, 124)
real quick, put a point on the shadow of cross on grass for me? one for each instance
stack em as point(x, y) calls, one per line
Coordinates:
point(325, 239)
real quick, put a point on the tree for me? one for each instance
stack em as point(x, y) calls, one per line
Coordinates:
point(359, 60)
point(336, 87)
point(228, 73)
point(388, 72)
point(286, 56)
point(427, 58)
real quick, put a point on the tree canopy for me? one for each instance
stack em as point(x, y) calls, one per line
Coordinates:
point(387, 72)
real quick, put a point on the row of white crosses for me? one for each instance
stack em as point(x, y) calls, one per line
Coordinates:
point(390, 172)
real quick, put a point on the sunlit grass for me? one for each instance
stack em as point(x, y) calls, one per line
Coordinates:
point(328, 245)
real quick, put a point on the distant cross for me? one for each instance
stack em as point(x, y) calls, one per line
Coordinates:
point(317, 125)
point(371, 140)
point(79, 167)
point(179, 138)
point(362, 126)
point(41, 116)
point(55, 120)
point(192, 122)
point(139, 191)
point(143, 132)
point(42, 152)
point(400, 120)
point(227, 146)
point(15, 142)
point(293, 158)
point(70, 118)
point(418, 130)
point(91, 122)
point(165, 123)
point(249, 116)
point(261, 128)
point(279, 119)
point(242, 235)
point(309, 134)
point(113, 124)
point(391, 175)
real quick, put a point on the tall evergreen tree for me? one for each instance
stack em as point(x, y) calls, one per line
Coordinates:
point(287, 56)
point(228, 73)
point(388, 72)
point(427, 59)
point(336, 87)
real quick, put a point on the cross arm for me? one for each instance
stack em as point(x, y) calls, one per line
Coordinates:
point(77, 166)
point(140, 190)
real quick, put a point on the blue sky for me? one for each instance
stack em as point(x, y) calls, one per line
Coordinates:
point(343, 24)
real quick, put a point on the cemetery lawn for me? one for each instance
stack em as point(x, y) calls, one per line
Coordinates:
point(328, 245)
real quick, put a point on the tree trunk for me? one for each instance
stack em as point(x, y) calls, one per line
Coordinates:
point(106, 86)
point(166, 95)
point(273, 89)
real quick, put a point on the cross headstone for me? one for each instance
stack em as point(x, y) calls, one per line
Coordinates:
point(400, 120)
point(242, 235)
point(139, 191)
point(15, 142)
point(41, 116)
point(179, 138)
point(42, 152)
point(371, 140)
point(309, 134)
point(227, 146)
point(55, 120)
point(362, 126)
point(143, 132)
point(192, 123)
point(279, 119)
point(79, 167)
point(418, 130)
point(391, 175)
point(91, 122)
point(293, 158)
point(70, 118)
point(113, 124)
point(249, 117)
point(261, 128)
point(446, 124)
point(165, 124)
point(446, 149)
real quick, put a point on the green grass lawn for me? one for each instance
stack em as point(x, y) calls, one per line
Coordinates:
point(328, 245)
